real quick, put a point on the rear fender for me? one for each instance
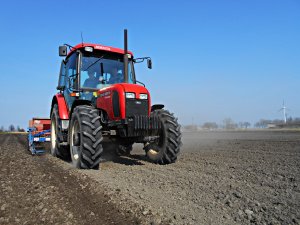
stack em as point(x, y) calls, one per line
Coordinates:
point(62, 106)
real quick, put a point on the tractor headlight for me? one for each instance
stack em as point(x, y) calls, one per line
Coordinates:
point(130, 95)
point(143, 96)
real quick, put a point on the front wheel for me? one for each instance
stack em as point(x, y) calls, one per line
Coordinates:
point(166, 149)
point(85, 138)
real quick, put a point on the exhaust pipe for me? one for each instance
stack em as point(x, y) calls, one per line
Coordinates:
point(125, 57)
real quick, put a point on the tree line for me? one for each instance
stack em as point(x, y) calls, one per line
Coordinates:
point(12, 128)
point(230, 124)
point(263, 123)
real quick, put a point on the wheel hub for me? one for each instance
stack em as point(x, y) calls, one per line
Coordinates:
point(76, 139)
point(152, 152)
point(75, 152)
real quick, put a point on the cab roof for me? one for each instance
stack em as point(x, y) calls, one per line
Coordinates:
point(99, 47)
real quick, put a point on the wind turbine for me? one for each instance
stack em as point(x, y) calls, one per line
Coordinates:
point(283, 109)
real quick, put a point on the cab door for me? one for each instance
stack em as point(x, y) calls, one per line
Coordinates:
point(71, 76)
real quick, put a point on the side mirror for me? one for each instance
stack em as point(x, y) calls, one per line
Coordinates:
point(149, 63)
point(63, 50)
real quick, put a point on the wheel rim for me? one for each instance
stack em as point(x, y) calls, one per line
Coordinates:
point(152, 151)
point(53, 136)
point(155, 146)
point(74, 140)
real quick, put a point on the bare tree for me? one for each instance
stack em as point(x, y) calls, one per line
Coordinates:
point(262, 123)
point(247, 124)
point(244, 125)
point(210, 125)
point(289, 120)
point(11, 128)
point(297, 119)
point(229, 124)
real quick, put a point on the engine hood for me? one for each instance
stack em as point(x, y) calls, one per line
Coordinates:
point(137, 89)
point(125, 87)
point(112, 99)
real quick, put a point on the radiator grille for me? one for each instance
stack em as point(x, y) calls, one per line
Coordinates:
point(140, 125)
point(136, 107)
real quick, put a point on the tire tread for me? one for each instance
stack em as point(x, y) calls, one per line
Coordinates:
point(91, 136)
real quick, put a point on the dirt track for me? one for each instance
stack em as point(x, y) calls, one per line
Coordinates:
point(220, 178)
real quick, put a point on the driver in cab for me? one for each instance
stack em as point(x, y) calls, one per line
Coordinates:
point(115, 77)
point(91, 81)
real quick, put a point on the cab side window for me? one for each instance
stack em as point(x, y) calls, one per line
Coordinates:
point(71, 74)
point(62, 75)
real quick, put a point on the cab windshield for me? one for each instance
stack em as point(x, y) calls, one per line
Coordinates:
point(103, 69)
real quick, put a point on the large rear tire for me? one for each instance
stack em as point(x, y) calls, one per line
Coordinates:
point(166, 149)
point(57, 150)
point(85, 138)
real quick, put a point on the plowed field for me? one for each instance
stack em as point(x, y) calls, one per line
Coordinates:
point(250, 177)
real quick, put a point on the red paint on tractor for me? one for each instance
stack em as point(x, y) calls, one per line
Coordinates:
point(99, 47)
point(62, 107)
point(104, 100)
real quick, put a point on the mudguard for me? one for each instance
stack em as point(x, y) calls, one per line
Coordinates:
point(157, 106)
point(62, 106)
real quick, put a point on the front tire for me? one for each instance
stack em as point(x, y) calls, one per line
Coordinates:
point(166, 149)
point(85, 138)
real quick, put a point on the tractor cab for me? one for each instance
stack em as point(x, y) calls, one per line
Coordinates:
point(96, 62)
point(100, 69)
point(91, 71)
point(88, 68)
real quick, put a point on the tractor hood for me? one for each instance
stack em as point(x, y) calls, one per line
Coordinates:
point(125, 88)
point(119, 99)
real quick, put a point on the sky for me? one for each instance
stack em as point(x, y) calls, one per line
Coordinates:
point(211, 59)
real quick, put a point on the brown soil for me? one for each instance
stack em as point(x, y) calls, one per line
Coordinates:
point(220, 178)
point(34, 190)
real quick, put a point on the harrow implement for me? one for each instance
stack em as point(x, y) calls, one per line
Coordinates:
point(38, 134)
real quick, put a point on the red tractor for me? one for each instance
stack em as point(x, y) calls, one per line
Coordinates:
point(100, 101)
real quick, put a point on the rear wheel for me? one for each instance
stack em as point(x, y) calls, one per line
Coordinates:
point(166, 149)
point(57, 150)
point(85, 138)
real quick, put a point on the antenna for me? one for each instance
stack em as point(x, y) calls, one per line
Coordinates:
point(81, 38)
